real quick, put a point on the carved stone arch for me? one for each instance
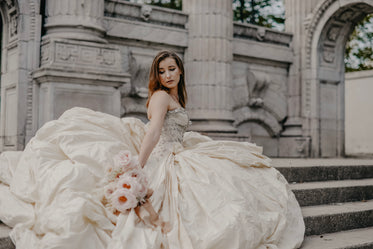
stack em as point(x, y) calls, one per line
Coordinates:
point(260, 116)
point(328, 29)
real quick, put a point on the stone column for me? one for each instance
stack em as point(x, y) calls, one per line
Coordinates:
point(208, 64)
point(295, 16)
point(75, 19)
point(78, 67)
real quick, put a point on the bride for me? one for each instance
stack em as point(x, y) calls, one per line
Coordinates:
point(212, 194)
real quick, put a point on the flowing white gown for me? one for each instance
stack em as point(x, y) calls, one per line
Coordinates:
point(215, 194)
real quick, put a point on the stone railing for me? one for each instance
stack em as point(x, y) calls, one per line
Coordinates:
point(261, 34)
point(145, 13)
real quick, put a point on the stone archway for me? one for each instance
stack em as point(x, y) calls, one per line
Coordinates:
point(323, 74)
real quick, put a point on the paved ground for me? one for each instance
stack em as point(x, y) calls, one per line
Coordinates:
point(300, 162)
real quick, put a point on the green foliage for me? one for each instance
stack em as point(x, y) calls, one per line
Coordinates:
point(259, 12)
point(172, 4)
point(359, 52)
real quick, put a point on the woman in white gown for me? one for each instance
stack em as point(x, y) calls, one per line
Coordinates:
point(214, 194)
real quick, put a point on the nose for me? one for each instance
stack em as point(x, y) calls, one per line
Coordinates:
point(168, 74)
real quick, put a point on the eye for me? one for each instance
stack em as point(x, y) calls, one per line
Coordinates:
point(172, 69)
point(161, 72)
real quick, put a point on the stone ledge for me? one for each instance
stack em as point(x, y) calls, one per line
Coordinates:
point(318, 193)
point(337, 217)
point(61, 75)
point(261, 34)
point(136, 12)
point(357, 239)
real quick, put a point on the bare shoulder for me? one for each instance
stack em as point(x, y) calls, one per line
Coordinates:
point(160, 94)
point(159, 98)
point(159, 102)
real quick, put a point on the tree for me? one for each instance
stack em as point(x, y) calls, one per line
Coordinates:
point(267, 13)
point(172, 4)
point(359, 52)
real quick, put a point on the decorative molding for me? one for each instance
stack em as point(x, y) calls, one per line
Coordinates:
point(343, 15)
point(311, 23)
point(261, 116)
point(76, 54)
point(145, 13)
point(261, 34)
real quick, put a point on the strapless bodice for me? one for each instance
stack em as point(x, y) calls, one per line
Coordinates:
point(175, 124)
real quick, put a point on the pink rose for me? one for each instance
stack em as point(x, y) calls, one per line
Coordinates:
point(123, 158)
point(109, 190)
point(142, 181)
point(122, 200)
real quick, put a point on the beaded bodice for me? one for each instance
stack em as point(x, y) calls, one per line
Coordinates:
point(175, 124)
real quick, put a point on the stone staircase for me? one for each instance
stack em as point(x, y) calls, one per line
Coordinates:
point(336, 196)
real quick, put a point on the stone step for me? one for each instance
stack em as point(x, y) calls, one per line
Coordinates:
point(337, 217)
point(319, 193)
point(351, 239)
point(309, 170)
point(5, 241)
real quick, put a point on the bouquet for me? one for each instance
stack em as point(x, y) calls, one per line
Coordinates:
point(126, 184)
point(127, 188)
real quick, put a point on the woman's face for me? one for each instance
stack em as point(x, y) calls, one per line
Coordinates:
point(169, 73)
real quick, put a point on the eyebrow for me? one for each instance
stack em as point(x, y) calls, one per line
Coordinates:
point(168, 66)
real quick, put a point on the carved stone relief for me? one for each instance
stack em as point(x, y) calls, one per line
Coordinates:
point(256, 109)
point(146, 11)
point(257, 85)
point(13, 24)
point(329, 54)
point(78, 54)
point(134, 96)
point(333, 32)
point(139, 69)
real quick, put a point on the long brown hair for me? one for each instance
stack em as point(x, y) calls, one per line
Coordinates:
point(155, 83)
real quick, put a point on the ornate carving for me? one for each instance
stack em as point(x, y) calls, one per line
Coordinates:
point(139, 69)
point(67, 53)
point(333, 32)
point(303, 146)
point(328, 54)
point(261, 116)
point(260, 33)
point(84, 55)
point(346, 15)
point(321, 8)
point(10, 3)
point(256, 85)
point(146, 11)
point(13, 24)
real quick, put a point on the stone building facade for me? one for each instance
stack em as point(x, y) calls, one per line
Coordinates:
point(281, 90)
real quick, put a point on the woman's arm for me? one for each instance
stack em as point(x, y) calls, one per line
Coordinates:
point(157, 110)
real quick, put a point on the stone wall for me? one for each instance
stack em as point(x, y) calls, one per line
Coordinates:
point(359, 119)
point(100, 58)
point(281, 90)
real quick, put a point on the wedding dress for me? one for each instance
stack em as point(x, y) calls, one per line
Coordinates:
point(214, 194)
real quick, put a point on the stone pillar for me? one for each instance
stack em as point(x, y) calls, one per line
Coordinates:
point(77, 67)
point(75, 19)
point(296, 20)
point(208, 64)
